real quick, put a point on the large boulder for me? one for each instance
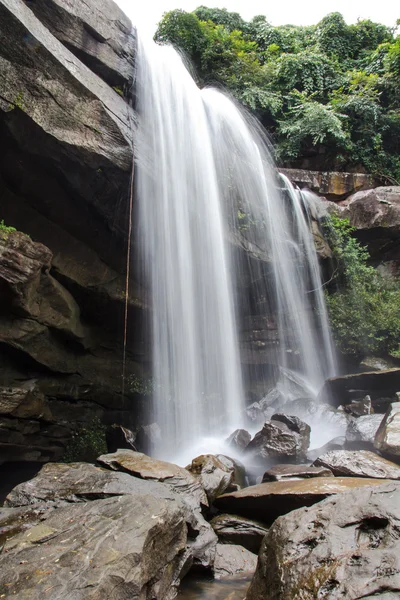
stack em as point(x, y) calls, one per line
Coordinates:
point(344, 547)
point(98, 33)
point(283, 436)
point(232, 529)
point(333, 185)
point(213, 475)
point(267, 501)
point(387, 438)
point(376, 384)
point(116, 547)
point(233, 560)
point(360, 433)
point(359, 463)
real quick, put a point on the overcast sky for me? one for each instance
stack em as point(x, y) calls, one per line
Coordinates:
point(145, 14)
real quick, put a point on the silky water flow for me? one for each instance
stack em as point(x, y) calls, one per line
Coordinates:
point(206, 184)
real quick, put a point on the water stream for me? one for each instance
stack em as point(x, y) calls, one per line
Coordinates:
point(207, 191)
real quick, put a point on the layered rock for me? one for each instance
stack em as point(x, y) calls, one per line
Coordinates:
point(387, 438)
point(361, 463)
point(379, 385)
point(232, 529)
point(333, 185)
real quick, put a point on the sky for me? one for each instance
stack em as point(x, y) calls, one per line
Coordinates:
point(145, 14)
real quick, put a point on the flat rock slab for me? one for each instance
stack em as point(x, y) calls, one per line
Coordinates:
point(120, 547)
point(286, 472)
point(232, 529)
point(233, 560)
point(358, 463)
point(344, 389)
point(267, 501)
point(145, 467)
point(344, 547)
point(387, 437)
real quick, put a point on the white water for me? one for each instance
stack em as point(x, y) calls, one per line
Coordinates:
point(201, 163)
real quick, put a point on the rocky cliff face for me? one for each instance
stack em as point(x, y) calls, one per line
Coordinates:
point(67, 139)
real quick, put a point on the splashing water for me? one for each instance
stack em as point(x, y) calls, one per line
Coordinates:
point(202, 165)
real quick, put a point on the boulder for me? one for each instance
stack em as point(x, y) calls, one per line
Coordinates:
point(98, 33)
point(358, 408)
point(285, 436)
point(344, 547)
point(361, 432)
point(285, 472)
point(387, 438)
point(267, 501)
point(239, 439)
point(359, 463)
point(233, 560)
point(376, 384)
point(239, 478)
point(212, 474)
point(114, 547)
point(232, 529)
point(336, 443)
point(333, 185)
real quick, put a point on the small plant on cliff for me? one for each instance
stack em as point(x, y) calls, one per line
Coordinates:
point(5, 228)
point(364, 308)
point(140, 385)
point(87, 443)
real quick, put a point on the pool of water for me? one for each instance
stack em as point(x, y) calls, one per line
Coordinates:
point(196, 587)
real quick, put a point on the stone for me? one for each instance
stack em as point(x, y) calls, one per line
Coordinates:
point(376, 363)
point(361, 432)
point(336, 443)
point(239, 478)
point(332, 185)
point(288, 472)
point(213, 475)
point(359, 463)
point(387, 438)
point(233, 560)
point(288, 437)
point(232, 529)
point(239, 439)
point(114, 547)
point(267, 501)
point(358, 408)
point(344, 547)
point(98, 33)
point(376, 384)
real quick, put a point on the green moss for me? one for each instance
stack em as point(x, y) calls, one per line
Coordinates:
point(118, 90)
point(87, 443)
point(5, 228)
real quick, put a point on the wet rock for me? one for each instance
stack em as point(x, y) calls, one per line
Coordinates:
point(376, 384)
point(332, 185)
point(119, 437)
point(361, 432)
point(334, 444)
point(359, 463)
point(387, 438)
point(232, 529)
point(267, 501)
point(98, 33)
point(232, 560)
point(239, 479)
point(212, 474)
point(288, 437)
point(177, 478)
point(358, 408)
point(286, 472)
point(239, 439)
point(344, 547)
point(114, 547)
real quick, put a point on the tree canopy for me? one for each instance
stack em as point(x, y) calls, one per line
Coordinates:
point(328, 94)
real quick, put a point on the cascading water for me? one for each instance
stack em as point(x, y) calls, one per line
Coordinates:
point(202, 163)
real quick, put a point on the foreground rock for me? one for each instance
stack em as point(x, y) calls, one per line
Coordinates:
point(361, 463)
point(132, 542)
point(376, 384)
point(232, 529)
point(267, 501)
point(213, 475)
point(346, 547)
point(233, 560)
point(283, 436)
point(286, 472)
point(387, 439)
point(360, 433)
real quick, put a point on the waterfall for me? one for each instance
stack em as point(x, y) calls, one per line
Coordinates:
point(207, 188)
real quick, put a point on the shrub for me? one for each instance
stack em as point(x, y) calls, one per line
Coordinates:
point(87, 443)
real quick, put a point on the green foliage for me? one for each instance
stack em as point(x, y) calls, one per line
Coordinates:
point(348, 77)
point(5, 228)
point(87, 443)
point(365, 309)
point(140, 385)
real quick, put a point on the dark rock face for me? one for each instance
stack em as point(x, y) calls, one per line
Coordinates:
point(360, 463)
point(99, 34)
point(213, 475)
point(387, 438)
point(231, 529)
point(361, 432)
point(121, 546)
point(232, 560)
point(267, 501)
point(286, 472)
point(284, 436)
point(344, 547)
point(376, 384)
